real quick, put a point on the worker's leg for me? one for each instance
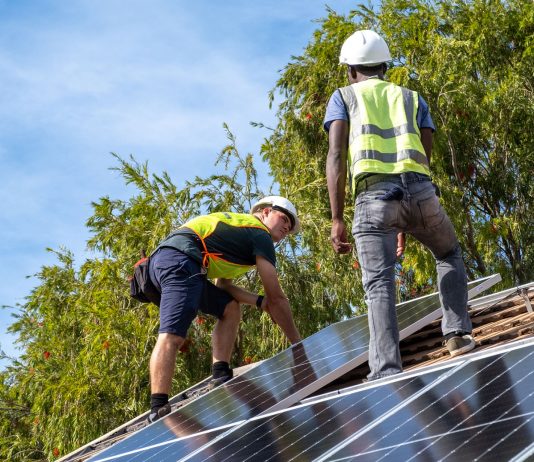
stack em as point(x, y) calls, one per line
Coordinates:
point(225, 332)
point(182, 284)
point(374, 229)
point(220, 304)
point(376, 254)
point(452, 283)
point(436, 232)
point(163, 361)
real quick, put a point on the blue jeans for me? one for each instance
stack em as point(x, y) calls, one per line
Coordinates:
point(385, 206)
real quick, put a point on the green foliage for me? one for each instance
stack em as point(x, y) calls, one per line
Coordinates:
point(472, 61)
point(86, 344)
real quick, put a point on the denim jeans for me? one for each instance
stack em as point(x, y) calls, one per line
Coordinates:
point(385, 206)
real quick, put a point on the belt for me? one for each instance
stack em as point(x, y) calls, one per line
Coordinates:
point(365, 182)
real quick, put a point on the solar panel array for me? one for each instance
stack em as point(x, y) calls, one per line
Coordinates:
point(481, 409)
point(271, 386)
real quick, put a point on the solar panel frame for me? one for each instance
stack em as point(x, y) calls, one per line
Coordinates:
point(525, 454)
point(482, 302)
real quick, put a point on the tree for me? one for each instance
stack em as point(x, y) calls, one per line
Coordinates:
point(86, 344)
point(472, 60)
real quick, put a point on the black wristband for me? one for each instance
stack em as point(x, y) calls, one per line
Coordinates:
point(259, 301)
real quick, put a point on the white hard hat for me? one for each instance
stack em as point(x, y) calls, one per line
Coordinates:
point(364, 47)
point(281, 204)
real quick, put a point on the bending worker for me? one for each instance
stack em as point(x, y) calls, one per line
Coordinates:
point(218, 245)
point(382, 133)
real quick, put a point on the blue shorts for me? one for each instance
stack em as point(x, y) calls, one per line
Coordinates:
point(184, 291)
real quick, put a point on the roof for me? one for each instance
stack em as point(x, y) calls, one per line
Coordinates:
point(495, 322)
point(501, 319)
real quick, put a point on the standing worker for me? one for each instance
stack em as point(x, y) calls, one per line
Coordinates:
point(382, 133)
point(223, 246)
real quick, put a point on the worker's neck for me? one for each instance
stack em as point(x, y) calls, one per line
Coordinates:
point(363, 77)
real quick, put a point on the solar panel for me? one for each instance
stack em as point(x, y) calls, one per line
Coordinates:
point(482, 411)
point(481, 408)
point(281, 381)
point(171, 450)
point(306, 432)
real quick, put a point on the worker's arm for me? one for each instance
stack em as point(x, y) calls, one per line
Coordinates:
point(277, 302)
point(426, 141)
point(336, 177)
point(401, 244)
point(238, 293)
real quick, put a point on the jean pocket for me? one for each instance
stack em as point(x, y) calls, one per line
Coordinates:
point(432, 214)
point(378, 191)
point(375, 213)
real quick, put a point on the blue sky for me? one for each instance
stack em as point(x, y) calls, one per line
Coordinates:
point(156, 79)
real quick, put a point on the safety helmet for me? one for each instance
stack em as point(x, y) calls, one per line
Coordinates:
point(282, 205)
point(364, 47)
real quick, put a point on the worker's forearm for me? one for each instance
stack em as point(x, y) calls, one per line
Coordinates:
point(281, 314)
point(336, 166)
point(336, 176)
point(238, 293)
point(426, 141)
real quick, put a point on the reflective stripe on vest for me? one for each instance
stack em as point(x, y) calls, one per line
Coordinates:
point(383, 141)
point(204, 225)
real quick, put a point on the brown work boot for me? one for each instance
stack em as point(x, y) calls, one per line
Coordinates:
point(460, 344)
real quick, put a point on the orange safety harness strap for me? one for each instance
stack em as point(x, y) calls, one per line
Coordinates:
point(206, 253)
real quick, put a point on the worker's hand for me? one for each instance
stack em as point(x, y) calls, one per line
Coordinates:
point(338, 236)
point(401, 242)
point(265, 307)
point(265, 304)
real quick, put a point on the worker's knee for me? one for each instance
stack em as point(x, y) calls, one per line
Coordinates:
point(169, 341)
point(232, 310)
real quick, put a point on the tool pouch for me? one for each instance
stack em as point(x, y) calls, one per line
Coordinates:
point(141, 286)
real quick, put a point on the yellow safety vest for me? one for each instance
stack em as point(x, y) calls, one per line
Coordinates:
point(383, 134)
point(204, 225)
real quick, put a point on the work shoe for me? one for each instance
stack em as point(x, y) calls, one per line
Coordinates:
point(161, 412)
point(215, 382)
point(460, 344)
